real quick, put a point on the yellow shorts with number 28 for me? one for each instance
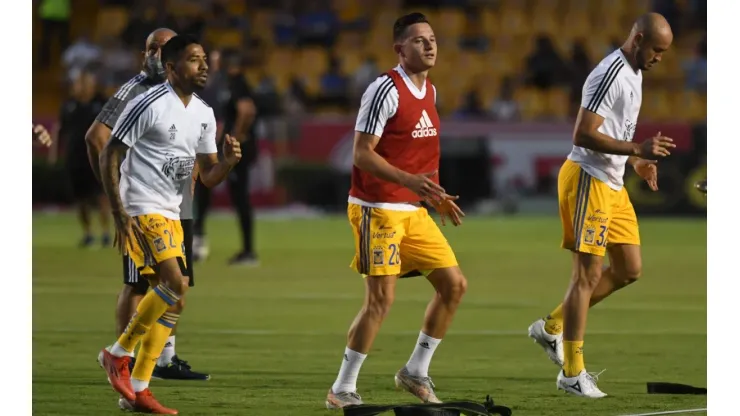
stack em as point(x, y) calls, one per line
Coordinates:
point(161, 239)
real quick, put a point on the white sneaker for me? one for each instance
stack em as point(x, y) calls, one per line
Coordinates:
point(200, 248)
point(584, 384)
point(552, 344)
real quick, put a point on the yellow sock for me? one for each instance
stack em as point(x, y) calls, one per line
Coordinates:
point(151, 308)
point(554, 321)
point(151, 347)
point(573, 358)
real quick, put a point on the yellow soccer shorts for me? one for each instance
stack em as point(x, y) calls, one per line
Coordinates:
point(594, 216)
point(160, 239)
point(403, 243)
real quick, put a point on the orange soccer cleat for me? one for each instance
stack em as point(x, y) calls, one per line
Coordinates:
point(118, 373)
point(145, 403)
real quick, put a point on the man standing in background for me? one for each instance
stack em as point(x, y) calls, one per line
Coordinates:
point(232, 99)
point(77, 114)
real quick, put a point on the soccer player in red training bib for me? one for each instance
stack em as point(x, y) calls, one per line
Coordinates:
point(396, 157)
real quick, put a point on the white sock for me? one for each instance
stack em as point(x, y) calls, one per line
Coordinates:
point(139, 385)
point(118, 351)
point(165, 358)
point(347, 378)
point(418, 364)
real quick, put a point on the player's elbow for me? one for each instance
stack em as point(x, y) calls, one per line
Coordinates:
point(582, 138)
point(95, 138)
point(361, 157)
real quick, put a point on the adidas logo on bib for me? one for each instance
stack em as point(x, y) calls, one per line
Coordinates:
point(424, 127)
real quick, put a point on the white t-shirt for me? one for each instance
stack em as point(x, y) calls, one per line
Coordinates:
point(163, 137)
point(380, 103)
point(612, 90)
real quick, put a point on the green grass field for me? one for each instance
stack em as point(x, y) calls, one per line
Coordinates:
point(273, 337)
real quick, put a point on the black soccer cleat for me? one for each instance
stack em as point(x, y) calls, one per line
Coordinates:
point(178, 370)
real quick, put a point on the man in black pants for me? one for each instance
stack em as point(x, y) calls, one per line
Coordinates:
point(77, 113)
point(239, 116)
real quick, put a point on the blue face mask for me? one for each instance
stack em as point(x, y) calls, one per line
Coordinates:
point(154, 68)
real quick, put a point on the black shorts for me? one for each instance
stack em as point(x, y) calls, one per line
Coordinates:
point(83, 183)
point(133, 278)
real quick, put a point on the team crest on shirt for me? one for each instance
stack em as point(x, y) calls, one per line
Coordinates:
point(378, 256)
point(173, 132)
point(590, 235)
point(178, 168)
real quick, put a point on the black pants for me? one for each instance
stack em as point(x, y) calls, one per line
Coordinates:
point(238, 183)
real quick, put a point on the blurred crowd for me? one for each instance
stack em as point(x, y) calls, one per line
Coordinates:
point(499, 59)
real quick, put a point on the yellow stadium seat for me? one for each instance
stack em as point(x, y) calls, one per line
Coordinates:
point(237, 7)
point(111, 22)
point(185, 9)
point(545, 22)
point(281, 60)
point(576, 24)
point(312, 84)
point(224, 38)
point(558, 103)
point(533, 103)
point(351, 60)
point(313, 61)
point(253, 76)
point(451, 23)
point(514, 22)
point(491, 22)
point(689, 105)
point(656, 105)
point(262, 25)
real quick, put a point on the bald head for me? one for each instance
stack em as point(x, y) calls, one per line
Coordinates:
point(154, 42)
point(650, 37)
point(159, 37)
point(653, 26)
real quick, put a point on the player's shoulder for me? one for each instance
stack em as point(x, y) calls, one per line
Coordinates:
point(610, 67)
point(383, 82)
point(150, 100)
point(201, 102)
point(132, 87)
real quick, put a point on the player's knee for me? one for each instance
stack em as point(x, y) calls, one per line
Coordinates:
point(178, 307)
point(455, 290)
point(628, 274)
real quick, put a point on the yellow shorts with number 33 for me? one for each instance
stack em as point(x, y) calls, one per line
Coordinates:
point(594, 216)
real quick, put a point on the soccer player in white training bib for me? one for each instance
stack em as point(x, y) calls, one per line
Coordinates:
point(595, 210)
point(162, 131)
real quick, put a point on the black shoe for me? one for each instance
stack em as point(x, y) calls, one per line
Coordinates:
point(105, 241)
point(131, 364)
point(87, 241)
point(178, 370)
point(244, 259)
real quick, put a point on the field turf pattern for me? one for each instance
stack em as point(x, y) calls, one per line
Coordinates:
point(273, 337)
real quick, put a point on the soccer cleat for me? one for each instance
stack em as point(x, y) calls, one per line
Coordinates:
point(200, 248)
point(552, 344)
point(421, 387)
point(584, 384)
point(244, 259)
point(342, 400)
point(145, 403)
point(178, 370)
point(131, 363)
point(118, 373)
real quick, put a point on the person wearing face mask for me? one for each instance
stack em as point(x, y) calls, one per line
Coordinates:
point(135, 286)
point(231, 98)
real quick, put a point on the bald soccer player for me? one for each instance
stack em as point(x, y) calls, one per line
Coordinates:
point(135, 286)
point(595, 210)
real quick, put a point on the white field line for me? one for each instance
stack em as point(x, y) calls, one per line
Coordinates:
point(288, 332)
point(52, 290)
point(672, 412)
